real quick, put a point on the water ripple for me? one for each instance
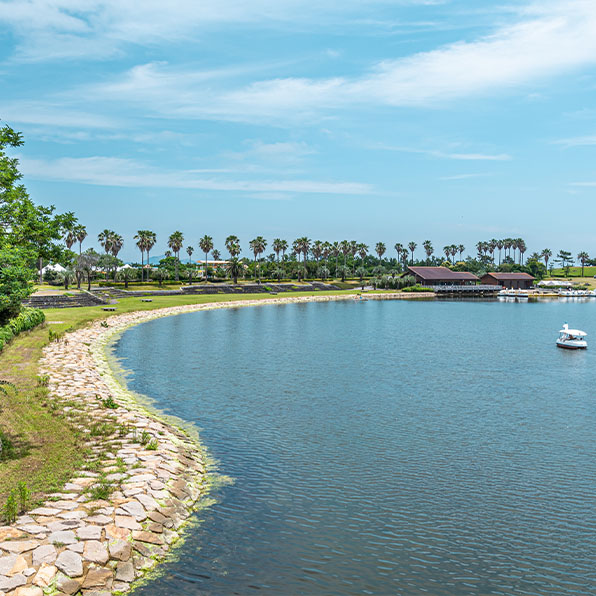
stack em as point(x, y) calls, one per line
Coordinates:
point(382, 448)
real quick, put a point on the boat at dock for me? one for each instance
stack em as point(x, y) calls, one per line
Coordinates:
point(572, 339)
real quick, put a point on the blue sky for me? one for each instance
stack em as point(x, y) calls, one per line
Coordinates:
point(371, 120)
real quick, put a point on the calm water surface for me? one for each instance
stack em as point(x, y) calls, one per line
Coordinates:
point(382, 447)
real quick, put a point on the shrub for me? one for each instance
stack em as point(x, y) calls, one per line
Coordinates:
point(417, 288)
point(27, 319)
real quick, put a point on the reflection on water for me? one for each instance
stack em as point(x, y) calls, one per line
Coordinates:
point(383, 447)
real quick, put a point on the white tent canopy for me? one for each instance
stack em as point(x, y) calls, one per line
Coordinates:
point(56, 268)
point(555, 283)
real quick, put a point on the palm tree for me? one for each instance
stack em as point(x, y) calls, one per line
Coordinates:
point(277, 246)
point(344, 246)
point(317, 251)
point(447, 251)
point(141, 240)
point(258, 246)
point(583, 257)
point(454, 251)
point(507, 245)
point(480, 249)
point(70, 237)
point(206, 245)
point(546, 254)
point(398, 249)
point(216, 254)
point(380, 250)
point(175, 242)
point(234, 268)
point(521, 246)
point(412, 246)
point(353, 252)
point(492, 245)
point(81, 234)
point(233, 246)
point(428, 248)
point(151, 240)
point(362, 251)
point(105, 240)
point(499, 246)
point(335, 251)
point(115, 247)
point(189, 251)
point(460, 250)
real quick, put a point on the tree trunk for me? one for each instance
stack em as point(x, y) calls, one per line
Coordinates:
point(40, 267)
point(88, 281)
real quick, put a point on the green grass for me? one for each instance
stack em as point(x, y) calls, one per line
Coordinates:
point(576, 272)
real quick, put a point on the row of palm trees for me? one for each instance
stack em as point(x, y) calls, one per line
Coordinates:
point(514, 250)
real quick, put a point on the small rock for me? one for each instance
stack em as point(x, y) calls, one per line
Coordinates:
point(120, 550)
point(149, 537)
point(130, 523)
point(44, 554)
point(8, 584)
point(125, 572)
point(47, 511)
point(45, 575)
point(98, 577)
point(18, 546)
point(68, 585)
point(70, 563)
point(149, 503)
point(62, 537)
point(89, 533)
point(135, 509)
point(95, 552)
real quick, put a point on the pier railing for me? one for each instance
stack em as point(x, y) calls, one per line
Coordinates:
point(479, 289)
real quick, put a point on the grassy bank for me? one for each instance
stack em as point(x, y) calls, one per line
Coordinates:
point(40, 448)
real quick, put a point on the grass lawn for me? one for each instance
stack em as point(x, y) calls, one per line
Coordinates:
point(575, 272)
point(40, 448)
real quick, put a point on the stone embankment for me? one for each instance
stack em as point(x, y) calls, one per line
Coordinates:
point(143, 477)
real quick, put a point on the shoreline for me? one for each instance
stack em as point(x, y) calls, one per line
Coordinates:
point(145, 474)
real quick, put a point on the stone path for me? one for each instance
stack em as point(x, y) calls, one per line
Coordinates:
point(143, 477)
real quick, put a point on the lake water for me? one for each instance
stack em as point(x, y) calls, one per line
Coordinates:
point(382, 448)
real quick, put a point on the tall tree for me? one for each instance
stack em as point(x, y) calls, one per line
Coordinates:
point(258, 246)
point(412, 246)
point(206, 245)
point(582, 257)
point(546, 254)
point(189, 251)
point(233, 246)
point(428, 249)
point(175, 243)
point(380, 249)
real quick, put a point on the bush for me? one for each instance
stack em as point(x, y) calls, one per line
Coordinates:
point(417, 288)
point(27, 319)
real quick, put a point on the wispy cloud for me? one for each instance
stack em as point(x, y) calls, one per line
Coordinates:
point(447, 154)
point(546, 40)
point(582, 141)
point(588, 184)
point(111, 171)
point(57, 29)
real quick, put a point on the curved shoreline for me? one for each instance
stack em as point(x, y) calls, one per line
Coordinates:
point(144, 477)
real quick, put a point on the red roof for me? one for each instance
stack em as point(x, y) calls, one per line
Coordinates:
point(511, 276)
point(442, 274)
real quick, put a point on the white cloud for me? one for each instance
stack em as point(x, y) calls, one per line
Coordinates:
point(53, 29)
point(447, 154)
point(111, 171)
point(583, 141)
point(547, 39)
